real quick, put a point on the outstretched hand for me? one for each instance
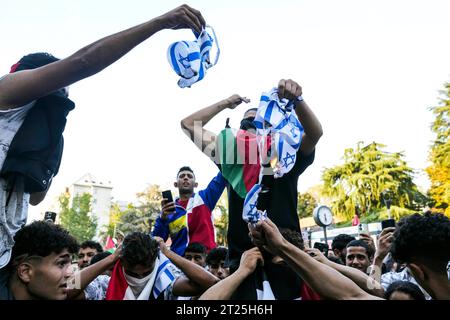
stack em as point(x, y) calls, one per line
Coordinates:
point(183, 17)
point(236, 100)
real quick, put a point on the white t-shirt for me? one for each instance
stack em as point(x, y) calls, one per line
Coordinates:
point(13, 215)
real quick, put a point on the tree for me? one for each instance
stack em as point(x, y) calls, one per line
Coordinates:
point(77, 219)
point(306, 205)
point(367, 172)
point(115, 214)
point(439, 170)
point(133, 219)
point(138, 218)
point(221, 222)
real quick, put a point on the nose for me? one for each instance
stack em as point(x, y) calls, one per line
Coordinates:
point(69, 271)
point(355, 261)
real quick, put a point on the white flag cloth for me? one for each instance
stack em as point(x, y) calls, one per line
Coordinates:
point(191, 59)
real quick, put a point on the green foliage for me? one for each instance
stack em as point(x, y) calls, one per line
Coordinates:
point(139, 218)
point(133, 219)
point(439, 170)
point(77, 218)
point(221, 222)
point(306, 204)
point(357, 185)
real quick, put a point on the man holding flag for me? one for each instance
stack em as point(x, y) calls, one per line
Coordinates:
point(262, 170)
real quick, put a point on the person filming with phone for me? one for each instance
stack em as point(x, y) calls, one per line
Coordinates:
point(188, 219)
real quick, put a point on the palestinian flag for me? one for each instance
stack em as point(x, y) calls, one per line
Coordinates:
point(110, 245)
point(239, 159)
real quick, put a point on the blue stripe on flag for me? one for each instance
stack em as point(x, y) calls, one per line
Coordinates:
point(156, 292)
point(280, 146)
point(193, 56)
point(249, 196)
point(201, 72)
point(174, 60)
point(205, 44)
point(258, 124)
point(169, 274)
point(264, 98)
point(269, 110)
point(161, 266)
point(282, 124)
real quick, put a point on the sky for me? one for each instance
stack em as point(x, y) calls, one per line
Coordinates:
point(369, 70)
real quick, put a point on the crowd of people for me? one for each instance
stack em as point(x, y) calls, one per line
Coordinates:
point(266, 257)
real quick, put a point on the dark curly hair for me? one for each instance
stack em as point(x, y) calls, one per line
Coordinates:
point(99, 256)
point(425, 238)
point(405, 287)
point(196, 248)
point(185, 168)
point(293, 237)
point(139, 248)
point(363, 244)
point(216, 254)
point(41, 239)
point(33, 61)
point(92, 244)
point(341, 240)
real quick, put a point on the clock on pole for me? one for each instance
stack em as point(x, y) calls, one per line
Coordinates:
point(323, 216)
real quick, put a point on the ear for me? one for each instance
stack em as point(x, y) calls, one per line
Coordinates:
point(417, 271)
point(175, 185)
point(195, 185)
point(25, 272)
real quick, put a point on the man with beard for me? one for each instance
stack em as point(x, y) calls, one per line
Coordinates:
point(189, 218)
point(279, 195)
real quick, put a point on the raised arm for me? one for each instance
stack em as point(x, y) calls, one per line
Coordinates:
point(194, 124)
point(224, 289)
point(385, 240)
point(313, 129)
point(196, 279)
point(326, 281)
point(17, 89)
point(88, 274)
point(363, 281)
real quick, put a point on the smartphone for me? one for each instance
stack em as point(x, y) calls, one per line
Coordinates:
point(323, 247)
point(387, 223)
point(363, 228)
point(50, 216)
point(167, 194)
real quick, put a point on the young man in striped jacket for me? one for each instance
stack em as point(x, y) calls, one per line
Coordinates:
point(189, 219)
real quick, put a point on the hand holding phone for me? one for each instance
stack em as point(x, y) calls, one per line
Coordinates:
point(167, 204)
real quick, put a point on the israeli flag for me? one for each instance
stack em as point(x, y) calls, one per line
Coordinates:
point(277, 118)
point(166, 274)
point(191, 59)
point(249, 212)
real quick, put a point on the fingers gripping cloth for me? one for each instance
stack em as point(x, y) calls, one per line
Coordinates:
point(275, 118)
point(191, 59)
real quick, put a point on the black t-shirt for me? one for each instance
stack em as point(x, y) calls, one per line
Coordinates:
point(5, 293)
point(280, 202)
